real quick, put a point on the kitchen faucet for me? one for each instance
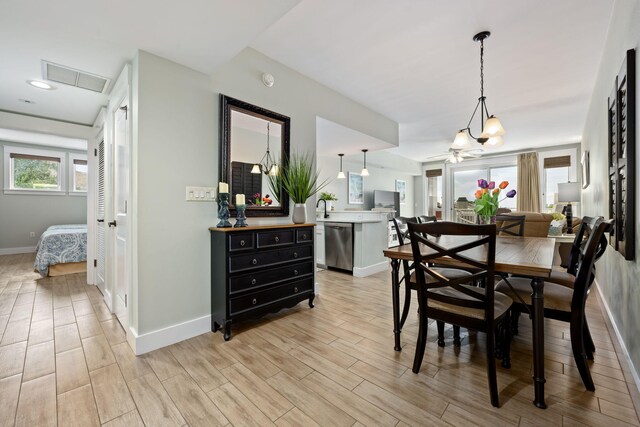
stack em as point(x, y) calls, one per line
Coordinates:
point(326, 215)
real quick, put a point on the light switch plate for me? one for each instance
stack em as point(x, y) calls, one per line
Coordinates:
point(201, 194)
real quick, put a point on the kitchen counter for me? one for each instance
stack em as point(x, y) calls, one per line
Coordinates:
point(356, 217)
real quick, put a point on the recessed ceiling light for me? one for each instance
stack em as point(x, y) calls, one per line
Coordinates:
point(26, 101)
point(41, 85)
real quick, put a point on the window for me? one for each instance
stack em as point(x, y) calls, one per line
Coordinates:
point(510, 174)
point(556, 171)
point(33, 170)
point(434, 192)
point(78, 177)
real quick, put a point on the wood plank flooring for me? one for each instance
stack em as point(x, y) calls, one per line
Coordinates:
point(64, 361)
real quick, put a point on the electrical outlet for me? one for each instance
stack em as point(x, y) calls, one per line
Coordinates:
point(32, 234)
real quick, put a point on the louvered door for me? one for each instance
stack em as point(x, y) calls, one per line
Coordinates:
point(100, 228)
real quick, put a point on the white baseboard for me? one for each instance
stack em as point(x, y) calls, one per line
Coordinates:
point(370, 269)
point(12, 251)
point(634, 371)
point(166, 336)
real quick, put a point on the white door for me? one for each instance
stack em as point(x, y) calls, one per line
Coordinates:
point(100, 225)
point(121, 173)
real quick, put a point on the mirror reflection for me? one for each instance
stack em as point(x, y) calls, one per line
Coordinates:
point(255, 155)
point(254, 143)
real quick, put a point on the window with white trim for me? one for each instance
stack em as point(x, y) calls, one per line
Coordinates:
point(31, 170)
point(78, 173)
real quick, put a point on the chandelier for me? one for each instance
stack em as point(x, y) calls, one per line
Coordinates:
point(266, 164)
point(491, 132)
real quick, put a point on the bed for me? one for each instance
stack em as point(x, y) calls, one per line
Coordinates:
point(62, 249)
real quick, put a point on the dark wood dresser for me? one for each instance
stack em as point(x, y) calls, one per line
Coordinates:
point(259, 269)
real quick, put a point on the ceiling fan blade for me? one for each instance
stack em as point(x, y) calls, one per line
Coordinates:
point(441, 156)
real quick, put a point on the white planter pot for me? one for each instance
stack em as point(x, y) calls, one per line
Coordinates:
point(329, 205)
point(299, 213)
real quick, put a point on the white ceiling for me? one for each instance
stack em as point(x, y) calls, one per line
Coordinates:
point(412, 61)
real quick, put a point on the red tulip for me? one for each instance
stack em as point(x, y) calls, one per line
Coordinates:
point(504, 184)
point(478, 194)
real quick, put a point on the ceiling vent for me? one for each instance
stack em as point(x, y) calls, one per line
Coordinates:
point(72, 77)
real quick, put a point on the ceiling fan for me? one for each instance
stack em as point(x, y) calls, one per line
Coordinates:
point(456, 155)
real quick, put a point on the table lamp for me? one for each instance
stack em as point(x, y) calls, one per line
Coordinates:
point(567, 193)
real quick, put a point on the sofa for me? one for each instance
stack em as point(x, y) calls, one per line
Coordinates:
point(535, 224)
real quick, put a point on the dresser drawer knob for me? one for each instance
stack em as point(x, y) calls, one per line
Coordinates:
point(295, 272)
point(295, 254)
point(295, 289)
point(242, 243)
point(253, 281)
point(254, 261)
point(255, 301)
point(304, 236)
point(277, 239)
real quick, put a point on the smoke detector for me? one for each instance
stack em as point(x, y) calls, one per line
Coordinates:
point(73, 77)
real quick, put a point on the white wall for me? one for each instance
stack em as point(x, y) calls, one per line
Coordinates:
point(176, 144)
point(617, 279)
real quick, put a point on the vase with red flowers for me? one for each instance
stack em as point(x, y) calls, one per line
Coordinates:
point(488, 199)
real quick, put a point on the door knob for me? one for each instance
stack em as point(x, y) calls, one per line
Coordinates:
point(112, 224)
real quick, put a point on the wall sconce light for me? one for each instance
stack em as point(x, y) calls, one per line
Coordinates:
point(341, 174)
point(365, 171)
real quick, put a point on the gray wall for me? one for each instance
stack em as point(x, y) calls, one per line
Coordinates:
point(617, 278)
point(21, 214)
point(176, 113)
point(382, 176)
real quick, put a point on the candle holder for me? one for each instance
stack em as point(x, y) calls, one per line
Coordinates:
point(223, 210)
point(241, 217)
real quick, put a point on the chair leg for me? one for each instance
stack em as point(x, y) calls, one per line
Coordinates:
point(456, 336)
point(440, 325)
point(577, 345)
point(515, 318)
point(421, 344)
point(407, 304)
point(589, 346)
point(491, 370)
point(499, 337)
point(506, 342)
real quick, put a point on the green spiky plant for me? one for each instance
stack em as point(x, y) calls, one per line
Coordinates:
point(275, 184)
point(298, 178)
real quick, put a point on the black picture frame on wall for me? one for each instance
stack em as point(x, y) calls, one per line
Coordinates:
point(621, 142)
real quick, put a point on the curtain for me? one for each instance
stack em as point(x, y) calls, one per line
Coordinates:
point(528, 183)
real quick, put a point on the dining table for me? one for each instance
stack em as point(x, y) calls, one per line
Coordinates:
point(522, 256)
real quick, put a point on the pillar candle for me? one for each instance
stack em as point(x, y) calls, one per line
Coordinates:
point(240, 199)
point(223, 187)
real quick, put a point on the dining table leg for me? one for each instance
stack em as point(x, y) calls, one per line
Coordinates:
point(537, 303)
point(395, 297)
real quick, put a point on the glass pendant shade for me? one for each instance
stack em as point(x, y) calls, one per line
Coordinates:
point(461, 141)
point(495, 141)
point(364, 172)
point(341, 174)
point(256, 169)
point(493, 127)
point(274, 170)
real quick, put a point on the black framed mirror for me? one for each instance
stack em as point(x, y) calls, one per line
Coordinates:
point(254, 143)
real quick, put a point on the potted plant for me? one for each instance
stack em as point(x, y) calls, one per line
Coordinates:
point(328, 198)
point(299, 179)
point(558, 222)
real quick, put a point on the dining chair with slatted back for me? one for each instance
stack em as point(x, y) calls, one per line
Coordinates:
point(510, 225)
point(453, 299)
point(564, 303)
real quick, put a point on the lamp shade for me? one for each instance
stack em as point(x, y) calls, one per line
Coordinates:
point(569, 192)
point(341, 175)
point(461, 141)
point(495, 141)
point(256, 169)
point(364, 172)
point(493, 127)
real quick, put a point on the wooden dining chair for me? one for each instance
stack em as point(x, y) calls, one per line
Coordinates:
point(510, 225)
point(427, 218)
point(566, 303)
point(454, 300)
point(402, 231)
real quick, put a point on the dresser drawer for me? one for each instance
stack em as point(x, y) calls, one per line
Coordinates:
point(262, 259)
point(260, 278)
point(304, 235)
point(240, 241)
point(268, 239)
point(271, 295)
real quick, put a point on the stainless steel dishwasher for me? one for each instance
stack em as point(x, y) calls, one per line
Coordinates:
point(338, 245)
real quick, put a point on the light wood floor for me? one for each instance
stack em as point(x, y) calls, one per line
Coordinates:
point(64, 360)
